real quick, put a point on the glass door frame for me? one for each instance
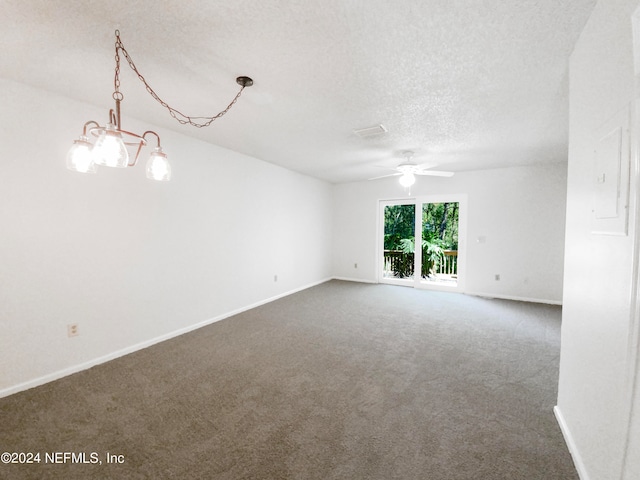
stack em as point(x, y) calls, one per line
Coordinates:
point(417, 281)
point(382, 204)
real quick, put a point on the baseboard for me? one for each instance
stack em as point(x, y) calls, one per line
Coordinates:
point(139, 346)
point(571, 445)
point(516, 298)
point(475, 294)
point(357, 280)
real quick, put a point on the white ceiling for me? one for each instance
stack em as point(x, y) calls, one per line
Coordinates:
point(465, 84)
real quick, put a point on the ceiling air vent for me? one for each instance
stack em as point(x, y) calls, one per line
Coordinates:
point(370, 131)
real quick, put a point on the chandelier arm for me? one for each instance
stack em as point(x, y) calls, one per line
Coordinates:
point(90, 122)
point(151, 132)
point(114, 116)
point(142, 144)
point(135, 159)
point(179, 116)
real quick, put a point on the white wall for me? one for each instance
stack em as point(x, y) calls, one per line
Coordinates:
point(519, 211)
point(595, 363)
point(129, 259)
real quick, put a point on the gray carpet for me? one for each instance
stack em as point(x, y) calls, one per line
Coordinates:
point(340, 381)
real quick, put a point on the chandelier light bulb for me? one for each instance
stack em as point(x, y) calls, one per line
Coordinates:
point(110, 150)
point(79, 158)
point(407, 179)
point(158, 167)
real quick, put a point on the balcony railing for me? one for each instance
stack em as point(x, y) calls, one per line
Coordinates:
point(401, 265)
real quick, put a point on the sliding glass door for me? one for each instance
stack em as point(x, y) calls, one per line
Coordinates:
point(422, 242)
point(399, 226)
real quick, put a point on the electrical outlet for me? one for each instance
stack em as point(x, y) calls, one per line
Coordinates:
point(497, 277)
point(275, 278)
point(72, 330)
point(355, 265)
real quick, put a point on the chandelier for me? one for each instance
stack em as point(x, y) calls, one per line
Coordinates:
point(111, 141)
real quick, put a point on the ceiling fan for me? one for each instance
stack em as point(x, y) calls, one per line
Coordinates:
point(408, 169)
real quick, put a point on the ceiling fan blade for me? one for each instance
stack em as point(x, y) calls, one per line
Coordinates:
point(385, 176)
point(385, 168)
point(435, 173)
point(426, 166)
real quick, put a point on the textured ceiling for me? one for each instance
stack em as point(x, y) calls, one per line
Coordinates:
point(464, 84)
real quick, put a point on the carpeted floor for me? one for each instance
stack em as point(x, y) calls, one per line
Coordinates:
point(340, 381)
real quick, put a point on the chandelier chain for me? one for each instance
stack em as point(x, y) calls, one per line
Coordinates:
point(116, 81)
point(179, 116)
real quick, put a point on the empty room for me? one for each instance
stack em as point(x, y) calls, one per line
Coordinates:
point(320, 239)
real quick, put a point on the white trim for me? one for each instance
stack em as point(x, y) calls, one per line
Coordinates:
point(139, 346)
point(514, 297)
point(436, 286)
point(358, 280)
point(633, 347)
point(398, 282)
point(444, 288)
point(571, 445)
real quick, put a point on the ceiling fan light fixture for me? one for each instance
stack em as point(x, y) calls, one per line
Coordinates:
point(407, 179)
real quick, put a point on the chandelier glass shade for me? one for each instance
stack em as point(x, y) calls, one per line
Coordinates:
point(79, 157)
point(158, 167)
point(110, 150)
point(111, 145)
